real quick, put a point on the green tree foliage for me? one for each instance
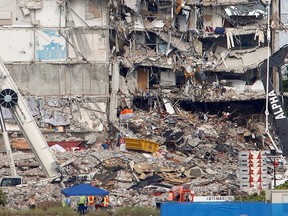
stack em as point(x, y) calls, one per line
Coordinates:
point(255, 197)
point(3, 198)
point(285, 85)
point(283, 186)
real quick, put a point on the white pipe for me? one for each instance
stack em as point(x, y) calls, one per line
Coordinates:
point(273, 143)
point(268, 65)
point(267, 76)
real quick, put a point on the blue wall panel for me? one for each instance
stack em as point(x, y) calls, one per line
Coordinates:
point(224, 209)
point(50, 45)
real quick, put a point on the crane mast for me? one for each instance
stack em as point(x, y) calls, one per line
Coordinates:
point(7, 146)
point(11, 98)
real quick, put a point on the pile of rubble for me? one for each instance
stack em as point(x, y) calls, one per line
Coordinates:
point(198, 150)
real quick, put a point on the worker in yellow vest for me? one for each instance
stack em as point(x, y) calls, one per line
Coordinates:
point(105, 202)
point(90, 203)
point(81, 201)
point(66, 202)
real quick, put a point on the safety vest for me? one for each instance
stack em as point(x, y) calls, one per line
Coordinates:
point(64, 202)
point(106, 201)
point(82, 200)
point(90, 200)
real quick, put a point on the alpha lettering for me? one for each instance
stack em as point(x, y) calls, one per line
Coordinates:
point(276, 106)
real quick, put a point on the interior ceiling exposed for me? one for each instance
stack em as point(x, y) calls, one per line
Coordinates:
point(196, 42)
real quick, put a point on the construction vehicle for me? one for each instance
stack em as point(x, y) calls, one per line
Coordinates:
point(185, 194)
point(11, 98)
point(275, 104)
point(180, 194)
point(11, 181)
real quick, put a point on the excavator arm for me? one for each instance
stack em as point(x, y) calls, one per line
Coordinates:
point(11, 98)
point(276, 107)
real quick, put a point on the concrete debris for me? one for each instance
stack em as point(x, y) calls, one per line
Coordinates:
point(201, 152)
point(132, 4)
point(34, 4)
point(71, 115)
point(187, 70)
point(181, 46)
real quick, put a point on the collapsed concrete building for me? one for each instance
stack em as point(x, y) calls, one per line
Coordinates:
point(197, 50)
point(58, 53)
point(79, 62)
point(192, 54)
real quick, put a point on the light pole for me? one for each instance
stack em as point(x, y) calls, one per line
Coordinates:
point(274, 156)
point(274, 171)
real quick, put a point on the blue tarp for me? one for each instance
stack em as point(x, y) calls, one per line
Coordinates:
point(84, 190)
point(224, 209)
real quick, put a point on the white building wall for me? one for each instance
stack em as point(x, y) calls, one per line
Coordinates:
point(85, 14)
point(92, 44)
point(283, 35)
point(51, 15)
point(212, 17)
point(50, 39)
point(279, 196)
point(284, 11)
point(17, 44)
point(75, 33)
point(18, 17)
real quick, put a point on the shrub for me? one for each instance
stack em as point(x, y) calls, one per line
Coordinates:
point(261, 197)
point(3, 198)
point(283, 186)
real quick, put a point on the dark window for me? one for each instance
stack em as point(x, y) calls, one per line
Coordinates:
point(10, 181)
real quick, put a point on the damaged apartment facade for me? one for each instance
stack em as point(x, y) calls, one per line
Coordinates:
point(197, 51)
point(77, 62)
point(58, 53)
